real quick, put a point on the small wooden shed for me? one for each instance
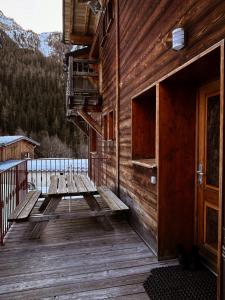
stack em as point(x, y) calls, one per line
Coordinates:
point(16, 147)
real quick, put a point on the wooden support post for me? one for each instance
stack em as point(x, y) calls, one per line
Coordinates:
point(117, 96)
point(17, 186)
point(221, 217)
point(94, 206)
point(91, 122)
point(39, 227)
point(76, 122)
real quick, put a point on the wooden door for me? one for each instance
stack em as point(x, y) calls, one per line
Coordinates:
point(208, 172)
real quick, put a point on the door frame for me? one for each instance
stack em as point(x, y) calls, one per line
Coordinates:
point(221, 204)
point(207, 89)
point(221, 216)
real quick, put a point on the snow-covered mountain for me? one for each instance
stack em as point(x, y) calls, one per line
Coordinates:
point(48, 43)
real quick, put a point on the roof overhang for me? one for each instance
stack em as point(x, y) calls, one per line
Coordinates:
point(79, 22)
point(9, 140)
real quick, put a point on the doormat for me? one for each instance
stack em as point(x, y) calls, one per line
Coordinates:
point(175, 283)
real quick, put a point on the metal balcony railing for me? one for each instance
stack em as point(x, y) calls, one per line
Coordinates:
point(41, 170)
point(13, 188)
point(35, 174)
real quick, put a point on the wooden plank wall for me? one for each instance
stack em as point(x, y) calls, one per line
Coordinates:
point(145, 57)
point(15, 150)
point(108, 58)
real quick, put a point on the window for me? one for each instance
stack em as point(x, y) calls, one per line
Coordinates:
point(105, 127)
point(25, 155)
point(111, 126)
point(108, 126)
point(144, 125)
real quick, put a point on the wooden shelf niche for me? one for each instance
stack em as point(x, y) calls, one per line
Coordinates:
point(144, 128)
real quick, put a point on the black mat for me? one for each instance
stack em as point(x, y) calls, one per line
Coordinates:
point(174, 283)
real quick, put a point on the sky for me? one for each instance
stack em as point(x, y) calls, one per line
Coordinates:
point(37, 15)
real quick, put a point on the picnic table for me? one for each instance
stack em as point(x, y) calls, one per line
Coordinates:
point(62, 186)
point(66, 187)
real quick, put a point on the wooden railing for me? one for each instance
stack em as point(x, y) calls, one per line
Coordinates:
point(82, 91)
point(13, 188)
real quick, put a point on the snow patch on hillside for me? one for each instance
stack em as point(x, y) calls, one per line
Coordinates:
point(48, 43)
point(44, 44)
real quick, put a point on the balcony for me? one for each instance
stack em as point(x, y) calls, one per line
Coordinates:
point(82, 92)
point(73, 259)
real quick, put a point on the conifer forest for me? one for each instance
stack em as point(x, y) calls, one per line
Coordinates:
point(32, 99)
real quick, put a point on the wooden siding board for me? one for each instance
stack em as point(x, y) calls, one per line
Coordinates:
point(146, 57)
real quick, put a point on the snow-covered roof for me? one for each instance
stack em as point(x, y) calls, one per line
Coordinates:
point(10, 139)
point(5, 165)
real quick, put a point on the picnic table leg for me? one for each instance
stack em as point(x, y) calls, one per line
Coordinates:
point(93, 204)
point(40, 226)
point(44, 204)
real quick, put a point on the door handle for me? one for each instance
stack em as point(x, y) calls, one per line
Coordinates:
point(200, 174)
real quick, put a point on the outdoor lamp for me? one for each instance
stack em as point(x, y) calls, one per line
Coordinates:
point(178, 38)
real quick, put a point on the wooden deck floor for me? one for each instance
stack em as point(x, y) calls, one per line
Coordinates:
point(75, 260)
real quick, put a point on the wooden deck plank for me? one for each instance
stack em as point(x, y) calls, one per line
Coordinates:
point(141, 296)
point(89, 185)
point(110, 292)
point(53, 185)
point(71, 184)
point(62, 188)
point(79, 184)
point(73, 288)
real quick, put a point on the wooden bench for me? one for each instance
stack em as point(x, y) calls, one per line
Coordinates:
point(22, 211)
point(114, 203)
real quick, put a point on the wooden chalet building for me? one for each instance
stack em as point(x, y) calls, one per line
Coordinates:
point(149, 84)
point(16, 147)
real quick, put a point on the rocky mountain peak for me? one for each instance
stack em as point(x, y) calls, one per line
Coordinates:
point(48, 43)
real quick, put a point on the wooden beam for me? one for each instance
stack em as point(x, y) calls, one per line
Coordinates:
point(79, 39)
point(117, 125)
point(221, 220)
point(81, 126)
point(91, 122)
point(36, 218)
